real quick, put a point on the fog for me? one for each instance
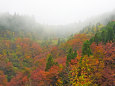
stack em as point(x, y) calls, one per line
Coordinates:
point(28, 25)
point(44, 19)
point(57, 12)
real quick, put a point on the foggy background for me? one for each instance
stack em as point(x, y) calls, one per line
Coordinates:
point(44, 19)
point(57, 12)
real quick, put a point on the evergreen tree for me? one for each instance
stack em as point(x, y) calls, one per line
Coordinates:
point(110, 35)
point(71, 55)
point(103, 36)
point(114, 29)
point(96, 38)
point(114, 33)
point(91, 40)
point(74, 54)
point(86, 48)
point(59, 41)
point(50, 63)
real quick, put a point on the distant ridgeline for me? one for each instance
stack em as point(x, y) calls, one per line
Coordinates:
point(106, 34)
point(91, 29)
point(13, 26)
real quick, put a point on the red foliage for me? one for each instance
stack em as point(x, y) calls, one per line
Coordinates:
point(61, 60)
point(3, 80)
point(39, 78)
point(107, 54)
point(19, 80)
point(77, 41)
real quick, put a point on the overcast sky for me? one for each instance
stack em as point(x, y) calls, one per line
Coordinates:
point(56, 12)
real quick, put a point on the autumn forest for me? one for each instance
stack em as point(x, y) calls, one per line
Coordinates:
point(29, 56)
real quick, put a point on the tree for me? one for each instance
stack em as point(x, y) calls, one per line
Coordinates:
point(114, 29)
point(71, 55)
point(103, 35)
point(50, 62)
point(75, 54)
point(110, 35)
point(96, 38)
point(86, 48)
point(59, 41)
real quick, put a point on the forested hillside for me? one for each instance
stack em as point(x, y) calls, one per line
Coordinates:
point(28, 58)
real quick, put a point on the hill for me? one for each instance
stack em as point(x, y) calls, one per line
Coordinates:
point(31, 56)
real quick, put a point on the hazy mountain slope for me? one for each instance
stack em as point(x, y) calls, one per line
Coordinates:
point(17, 23)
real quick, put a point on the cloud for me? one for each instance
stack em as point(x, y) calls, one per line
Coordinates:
point(57, 11)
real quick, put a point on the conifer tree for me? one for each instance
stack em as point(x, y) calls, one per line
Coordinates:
point(110, 35)
point(74, 54)
point(50, 62)
point(103, 36)
point(71, 55)
point(86, 48)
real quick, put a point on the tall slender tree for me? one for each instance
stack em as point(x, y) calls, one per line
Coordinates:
point(50, 62)
point(71, 55)
point(86, 48)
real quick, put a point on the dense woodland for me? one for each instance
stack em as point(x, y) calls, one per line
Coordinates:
point(27, 58)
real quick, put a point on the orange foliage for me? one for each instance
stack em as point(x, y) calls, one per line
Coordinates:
point(77, 41)
point(3, 79)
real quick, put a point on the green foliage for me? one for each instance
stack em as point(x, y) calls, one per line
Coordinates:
point(110, 34)
point(71, 55)
point(97, 38)
point(92, 29)
point(86, 48)
point(91, 40)
point(103, 35)
point(75, 54)
point(50, 63)
point(106, 34)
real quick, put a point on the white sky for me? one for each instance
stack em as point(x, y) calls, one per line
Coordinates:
point(55, 12)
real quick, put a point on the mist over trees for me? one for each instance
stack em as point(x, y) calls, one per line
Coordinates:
point(24, 23)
